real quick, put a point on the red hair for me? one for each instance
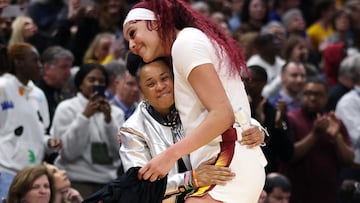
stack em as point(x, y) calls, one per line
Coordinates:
point(178, 14)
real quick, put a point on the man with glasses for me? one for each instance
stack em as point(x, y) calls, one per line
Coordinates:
point(321, 146)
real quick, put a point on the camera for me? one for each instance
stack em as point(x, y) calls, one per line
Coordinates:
point(100, 91)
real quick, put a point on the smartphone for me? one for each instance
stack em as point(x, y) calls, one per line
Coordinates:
point(100, 91)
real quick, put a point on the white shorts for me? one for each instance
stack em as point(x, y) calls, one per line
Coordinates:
point(247, 164)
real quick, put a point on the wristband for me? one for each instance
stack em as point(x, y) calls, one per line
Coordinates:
point(267, 136)
point(195, 178)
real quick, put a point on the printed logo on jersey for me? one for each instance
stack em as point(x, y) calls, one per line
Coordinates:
point(19, 131)
point(40, 117)
point(21, 91)
point(7, 105)
point(32, 157)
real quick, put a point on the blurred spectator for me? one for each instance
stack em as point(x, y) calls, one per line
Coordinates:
point(24, 114)
point(292, 83)
point(226, 28)
point(32, 185)
point(267, 58)
point(294, 23)
point(296, 49)
point(201, 6)
point(218, 17)
point(99, 49)
point(278, 188)
point(5, 29)
point(254, 15)
point(57, 63)
point(342, 30)
point(220, 5)
point(280, 7)
point(235, 19)
point(87, 125)
point(334, 53)
point(42, 184)
point(24, 5)
point(119, 49)
point(103, 16)
point(340, 3)
point(322, 27)
point(350, 191)
point(343, 38)
point(331, 58)
point(353, 6)
point(46, 13)
point(23, 28)
point(3, 4)
point(111, 14)
point(221, 20)
point(247, 41)
point(345, 81)
point(113, 69)
point(348, 110)
point(279, 147)
point(62, 186)
point(127, 92)
point(322, 145)
point(278, 31)
point(339, 45)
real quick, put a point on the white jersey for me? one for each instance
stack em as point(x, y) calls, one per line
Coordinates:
point(191, 49)
point(24, 116)
point(199, 50)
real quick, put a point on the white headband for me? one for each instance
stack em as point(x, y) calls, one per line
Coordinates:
point(139, 14)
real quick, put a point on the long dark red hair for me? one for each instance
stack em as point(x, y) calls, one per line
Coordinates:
point(178, 14)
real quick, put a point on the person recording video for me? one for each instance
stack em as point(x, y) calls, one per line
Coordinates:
point(88, 124)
